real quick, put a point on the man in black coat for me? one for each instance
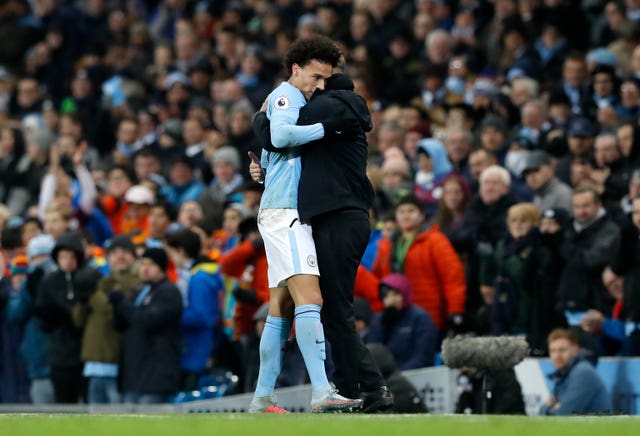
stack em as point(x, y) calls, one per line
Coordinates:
point(334, 197)
point(588, 247)
point(152, 335)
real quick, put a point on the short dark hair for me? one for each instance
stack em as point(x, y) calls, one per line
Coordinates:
point(303, 51)
point(167, 208)
point(187, 240)
point(410, 199)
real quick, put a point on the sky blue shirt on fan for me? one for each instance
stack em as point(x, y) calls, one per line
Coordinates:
point(283, 169)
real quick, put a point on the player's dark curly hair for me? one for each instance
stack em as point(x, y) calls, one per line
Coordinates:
point(303, 51)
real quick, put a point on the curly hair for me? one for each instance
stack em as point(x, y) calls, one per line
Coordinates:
point(305, 50)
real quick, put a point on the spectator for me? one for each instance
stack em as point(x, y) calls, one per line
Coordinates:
point(54, 302)
point(200, 284)
point(407, 330)
point(589, 243)
point(520, 293)
point(548, 191)
point(20, 310)
point(101, 344)
point(578, 388)
point(453, 204)
point(152, 337)
point(481, 229)
point(437, 279)
point(183, 185)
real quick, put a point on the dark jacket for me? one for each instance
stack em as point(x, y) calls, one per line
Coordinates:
point(626, 263)
point(55, 299)
point(585, 255)
point(333, 170)
point(520, 272)
point(152, 340)
point(412, 338)
point(406, 397)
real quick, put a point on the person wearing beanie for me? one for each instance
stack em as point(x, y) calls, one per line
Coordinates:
point(101, 343)
point(20, 311)
point(407, 330)
point(152, 343)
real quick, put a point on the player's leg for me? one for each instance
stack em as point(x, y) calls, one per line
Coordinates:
point(276, 332)
point(278, 323)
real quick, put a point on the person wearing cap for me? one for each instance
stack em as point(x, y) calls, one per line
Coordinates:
point(20, 311)
point(138, 200)
point(57, 294)
point(548, 191)
point(406, 329)
point(183, 185)
point(150, 320)
point(580, 138)
point(101, 343)
point(494, 133)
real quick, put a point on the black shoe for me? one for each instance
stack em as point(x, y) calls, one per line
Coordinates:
point(377, 401)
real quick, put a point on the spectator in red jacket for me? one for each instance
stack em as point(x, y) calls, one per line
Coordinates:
point(424, 254)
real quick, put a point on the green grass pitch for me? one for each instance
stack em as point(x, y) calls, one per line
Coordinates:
point(311, 425)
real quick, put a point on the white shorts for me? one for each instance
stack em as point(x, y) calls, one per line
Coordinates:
point(288, 244)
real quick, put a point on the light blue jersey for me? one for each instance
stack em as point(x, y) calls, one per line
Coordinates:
point(283, 169)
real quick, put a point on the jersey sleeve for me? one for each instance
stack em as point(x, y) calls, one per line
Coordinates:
point(283, 110)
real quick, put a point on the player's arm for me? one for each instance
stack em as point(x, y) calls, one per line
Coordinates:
point(283, 115)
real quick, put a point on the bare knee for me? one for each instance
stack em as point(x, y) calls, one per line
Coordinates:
point(305, 289)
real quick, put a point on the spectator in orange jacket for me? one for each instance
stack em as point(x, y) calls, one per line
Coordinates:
point(424, 254)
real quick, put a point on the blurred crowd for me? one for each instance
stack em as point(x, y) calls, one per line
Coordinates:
point(505, 159)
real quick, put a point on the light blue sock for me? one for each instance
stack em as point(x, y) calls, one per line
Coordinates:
point(276, 332)
point(310, 337)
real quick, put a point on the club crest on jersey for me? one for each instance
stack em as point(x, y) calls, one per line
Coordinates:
point(282, 103)
point(311, 261)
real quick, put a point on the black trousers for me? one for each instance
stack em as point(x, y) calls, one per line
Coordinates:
point(69, 385)
point(341, 238)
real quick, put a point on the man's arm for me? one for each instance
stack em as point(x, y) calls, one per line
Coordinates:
point(283, 109)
